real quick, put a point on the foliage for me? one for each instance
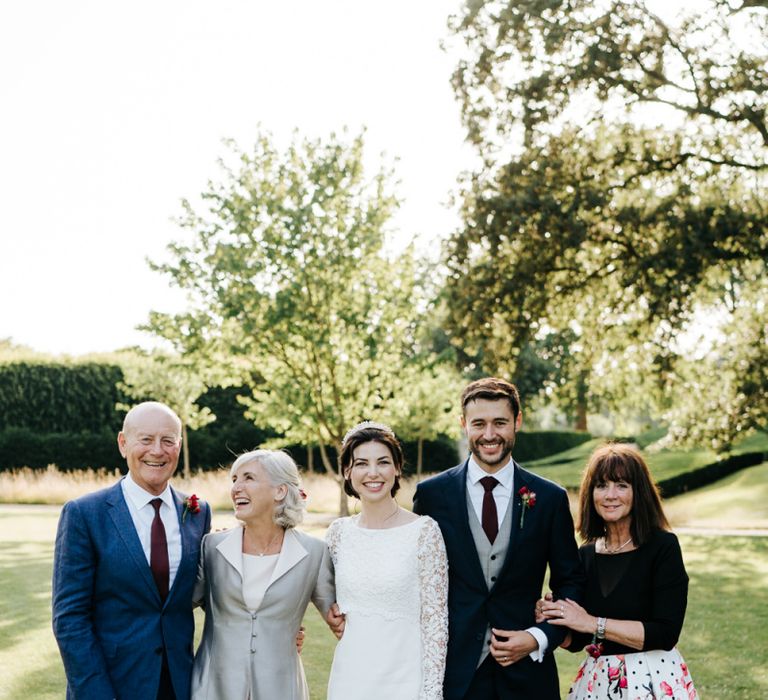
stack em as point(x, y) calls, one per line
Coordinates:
point(621, 233)
point(51, 396)
point(428, 407)
point(537, 444)
point(22, 447)
point(287, 274)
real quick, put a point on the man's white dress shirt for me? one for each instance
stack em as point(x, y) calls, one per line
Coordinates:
point(143, 513)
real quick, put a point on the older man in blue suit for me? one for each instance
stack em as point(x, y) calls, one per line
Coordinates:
point(502, 526)
point(124, 568)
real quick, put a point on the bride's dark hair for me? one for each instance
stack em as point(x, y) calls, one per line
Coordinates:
point(368, 431)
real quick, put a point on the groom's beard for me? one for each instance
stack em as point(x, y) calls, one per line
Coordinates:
point(492, 461)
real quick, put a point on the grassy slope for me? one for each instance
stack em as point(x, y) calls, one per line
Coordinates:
point(737, 502)
point(566, 467)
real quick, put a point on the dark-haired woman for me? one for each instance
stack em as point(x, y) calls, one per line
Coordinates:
point(637, 587)
point(391, 581)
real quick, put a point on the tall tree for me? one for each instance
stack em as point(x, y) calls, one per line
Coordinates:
point(287, 272)
point(430, 406)
point(620, 233)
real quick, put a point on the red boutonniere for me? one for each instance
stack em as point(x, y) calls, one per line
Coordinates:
point(529, 501)
point(191, 505)
point(303, 494)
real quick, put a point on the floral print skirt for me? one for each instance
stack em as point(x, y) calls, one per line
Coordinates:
point(642, 675)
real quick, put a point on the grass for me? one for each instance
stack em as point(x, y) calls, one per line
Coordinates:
point(725, 638)
point(566, 467)
point(739, 501)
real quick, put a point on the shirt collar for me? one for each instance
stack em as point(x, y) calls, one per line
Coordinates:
point(139, 497)
point(504, 476)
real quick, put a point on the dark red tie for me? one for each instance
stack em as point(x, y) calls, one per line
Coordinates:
point(490, 515)
point(158, 552)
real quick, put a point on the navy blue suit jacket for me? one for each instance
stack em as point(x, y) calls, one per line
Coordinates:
point(546, 538)
point(108, 618)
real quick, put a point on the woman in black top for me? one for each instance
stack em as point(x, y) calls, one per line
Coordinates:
point(637, 587)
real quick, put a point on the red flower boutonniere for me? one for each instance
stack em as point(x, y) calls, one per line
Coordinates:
point(529, 501)
point(303, 494)
point(191, 505)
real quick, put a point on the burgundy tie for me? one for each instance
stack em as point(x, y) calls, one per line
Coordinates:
point(490, 516)
point(158, 553)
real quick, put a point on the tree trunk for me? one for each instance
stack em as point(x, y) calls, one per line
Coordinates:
point(343, 505)
point(419, 458)
point(185, 450)
point(310, 459)
point(581, 403)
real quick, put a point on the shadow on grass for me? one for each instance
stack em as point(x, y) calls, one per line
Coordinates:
point(725, 637)
point(25, 590)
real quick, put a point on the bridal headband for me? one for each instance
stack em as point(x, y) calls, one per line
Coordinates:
point(367, 425)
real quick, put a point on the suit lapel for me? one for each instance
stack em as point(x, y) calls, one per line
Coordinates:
point(457, 487)
point(292, 553)
point(231, 548)
point(126, 530)
point(516, 504)
point(187, 544)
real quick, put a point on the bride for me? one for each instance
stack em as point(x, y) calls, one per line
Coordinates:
point(391, 581)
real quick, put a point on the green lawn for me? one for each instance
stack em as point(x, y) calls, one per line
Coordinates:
point(566, 467)
point(725, 639)
point(739, 501)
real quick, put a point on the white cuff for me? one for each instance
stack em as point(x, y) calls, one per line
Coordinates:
point(541, 638)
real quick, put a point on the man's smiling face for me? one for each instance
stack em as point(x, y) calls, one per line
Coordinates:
point(491, 428)
point(151, 443)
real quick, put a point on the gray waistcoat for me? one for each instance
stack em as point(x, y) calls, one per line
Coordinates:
point(492, 556)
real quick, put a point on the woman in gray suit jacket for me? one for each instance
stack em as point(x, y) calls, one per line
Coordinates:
point(255, 583)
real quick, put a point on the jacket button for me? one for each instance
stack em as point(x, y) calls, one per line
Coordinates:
point(493, 578)
point(493, 557)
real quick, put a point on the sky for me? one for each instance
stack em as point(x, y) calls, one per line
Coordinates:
point(115, 111)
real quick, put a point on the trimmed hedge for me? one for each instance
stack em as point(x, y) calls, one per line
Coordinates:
point(47, 397)
point(537, 444)
point(21, 447)
point(704, 476)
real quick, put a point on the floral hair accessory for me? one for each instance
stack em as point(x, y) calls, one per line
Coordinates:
point(529, 501)
point(303, 494)
point(191, 505)
point(364, 425)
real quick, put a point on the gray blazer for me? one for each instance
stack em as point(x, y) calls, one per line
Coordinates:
point(246, 654)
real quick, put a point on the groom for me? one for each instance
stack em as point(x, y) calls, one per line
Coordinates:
point(502, 527)
point(124, 567)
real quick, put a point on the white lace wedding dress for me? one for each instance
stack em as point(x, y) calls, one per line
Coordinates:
point(392, 584)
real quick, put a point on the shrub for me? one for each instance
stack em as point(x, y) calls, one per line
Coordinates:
point(21, 447)
point(537, 444)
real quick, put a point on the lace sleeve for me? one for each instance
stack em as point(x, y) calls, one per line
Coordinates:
point(433, 587)
point(332, 538)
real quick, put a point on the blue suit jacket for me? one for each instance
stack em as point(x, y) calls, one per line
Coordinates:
point(546, 538)
point(108, 619)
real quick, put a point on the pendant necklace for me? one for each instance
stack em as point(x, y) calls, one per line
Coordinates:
point(271, 542)
point(614, 551)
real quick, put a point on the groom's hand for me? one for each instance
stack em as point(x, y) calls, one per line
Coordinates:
point(508, 647)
